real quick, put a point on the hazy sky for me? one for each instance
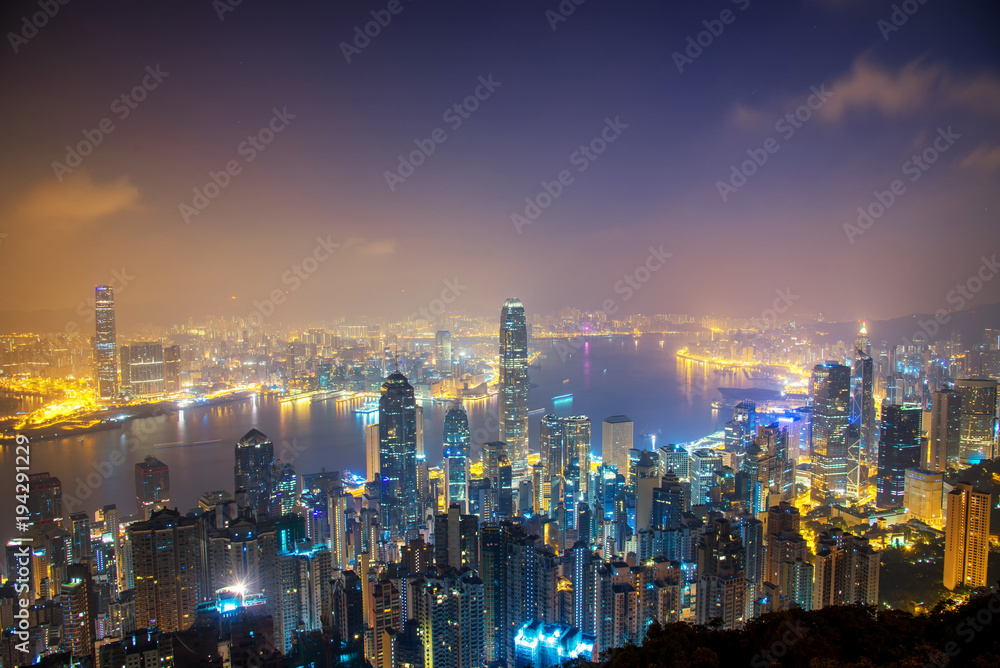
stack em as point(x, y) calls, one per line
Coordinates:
point(641, 123)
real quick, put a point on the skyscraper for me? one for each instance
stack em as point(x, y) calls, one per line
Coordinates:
point(514, 381)
point(616, 441)
point(977, 422)
point(442, 351)
point(449, 609)
point(898, 450)
point(254, 471)
point(967, 537)
point(398, 455)
point(456, 539)
point(285, 493)
point(945, 439)
point(831, 411)
point(142, 370)
point(167, 563)
point(105, 347)
point(152, 486)
point(456, 456)
point(862, 418)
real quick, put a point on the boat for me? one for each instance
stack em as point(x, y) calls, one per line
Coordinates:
point(536, 411)
point(368, 408)
point(563, 397)
point(565, 381)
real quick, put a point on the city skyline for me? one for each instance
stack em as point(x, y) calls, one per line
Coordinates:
point(499, 335)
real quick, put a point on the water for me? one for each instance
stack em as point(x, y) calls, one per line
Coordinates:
point(665, 397)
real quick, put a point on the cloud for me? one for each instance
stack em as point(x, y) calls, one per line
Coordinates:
point(868, 87)
point(78, 200)
point(364, 247)
point(983, 158)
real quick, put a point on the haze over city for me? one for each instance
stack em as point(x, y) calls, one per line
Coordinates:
point(405, 334)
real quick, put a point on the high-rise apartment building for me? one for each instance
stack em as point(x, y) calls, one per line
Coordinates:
point(967, 537)
point(514, 381)
point(167, 564)
point(142, 370)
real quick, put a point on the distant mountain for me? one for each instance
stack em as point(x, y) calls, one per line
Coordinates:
point(969, 322)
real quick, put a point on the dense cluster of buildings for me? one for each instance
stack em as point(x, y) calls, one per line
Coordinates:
point(506, 555)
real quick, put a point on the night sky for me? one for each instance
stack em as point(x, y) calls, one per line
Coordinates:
point(669, 138)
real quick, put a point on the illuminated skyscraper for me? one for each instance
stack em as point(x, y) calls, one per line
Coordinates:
point(977, 424)
point(898, 450)
point(142, 369)
point(564, 439)
point(152, 486)
point(831, 411)
point(616, 441)
point(967, 537)
point(254, 471)
point(80, 610)
point(398, 455)
point(105, 347)
point(442, 351)
point(449, 609)
point(456, 457)
point(514, 381)
point(44, 498)
point(861, 453)
point(945, 438)
point(167, 563)
point(372, 452)
point(286, 490)
point(456, 539)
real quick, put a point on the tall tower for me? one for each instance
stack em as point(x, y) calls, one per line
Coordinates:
point(152, 486)
point(254, 470)
point(831, 410)
point(616, 441)
point(397, 426)
point(456, 457)
point(945, 441)
point(514, 381)
point(442, 351)
point(105, 347)
point(899, 449)
point(862, 430)
point(977, 421)
point(967, 537)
